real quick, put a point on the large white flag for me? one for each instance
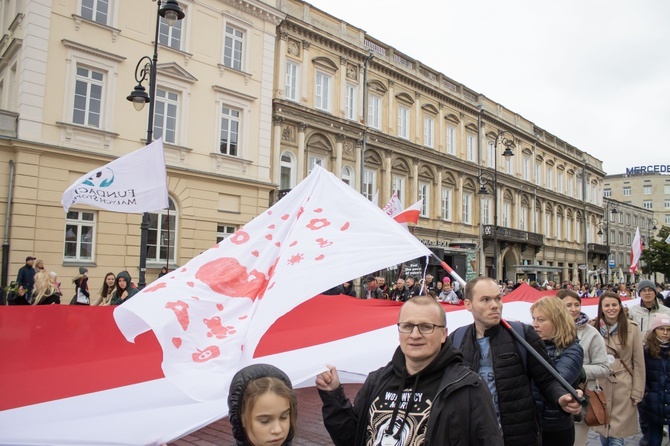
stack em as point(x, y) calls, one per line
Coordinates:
point(635, 251)
point(210, 314)
point(133, 183)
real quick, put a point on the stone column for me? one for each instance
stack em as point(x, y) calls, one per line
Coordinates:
point(301, 151)
point(418, 122)
point(306, 78)
point(342, 88)
point(387, 185)
point(276, 148)
point(337, 168)
point(280, 92)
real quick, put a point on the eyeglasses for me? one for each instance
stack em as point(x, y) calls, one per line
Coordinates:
point(424, 328)
point(663, 330)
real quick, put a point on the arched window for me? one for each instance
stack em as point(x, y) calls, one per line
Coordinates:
point(157, 240)
point(287, 173)
point(348, 176)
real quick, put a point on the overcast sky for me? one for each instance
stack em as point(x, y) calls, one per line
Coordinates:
point(594, 73)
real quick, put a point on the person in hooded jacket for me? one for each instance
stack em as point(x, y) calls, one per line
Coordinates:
point(122, 289)
point(424, 396)
point(655, 405)
point(262, 407)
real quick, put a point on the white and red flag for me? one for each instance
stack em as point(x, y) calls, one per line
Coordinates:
point(635, 252)
point(411, 214)
point(393, 207)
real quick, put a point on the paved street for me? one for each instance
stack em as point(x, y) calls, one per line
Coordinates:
point(310, 426)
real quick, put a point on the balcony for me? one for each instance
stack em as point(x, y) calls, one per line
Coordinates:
point(595, 248)
point(513, 236)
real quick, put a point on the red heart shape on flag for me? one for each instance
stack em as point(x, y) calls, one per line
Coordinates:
point(220, 307)
point(176, 342)
point(255, 253)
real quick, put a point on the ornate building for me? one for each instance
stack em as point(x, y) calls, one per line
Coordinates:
point(65, 71)
point(390, 124)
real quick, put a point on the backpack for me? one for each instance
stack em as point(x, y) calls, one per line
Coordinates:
point(516, 326)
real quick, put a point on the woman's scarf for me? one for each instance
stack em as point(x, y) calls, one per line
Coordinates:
point(608, 330)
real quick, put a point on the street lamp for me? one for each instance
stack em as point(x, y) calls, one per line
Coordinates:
point(613, 212)
point(507, 140)
point(650, 222)
point(146, 70)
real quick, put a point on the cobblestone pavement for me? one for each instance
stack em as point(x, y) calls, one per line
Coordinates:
point(310, 426)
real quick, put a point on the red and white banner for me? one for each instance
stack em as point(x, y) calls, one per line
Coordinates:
point(393, 207)
point(136, 182)
point(68, 376)
point(635, 252)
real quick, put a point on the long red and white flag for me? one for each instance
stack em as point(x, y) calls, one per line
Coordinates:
point(635, 252)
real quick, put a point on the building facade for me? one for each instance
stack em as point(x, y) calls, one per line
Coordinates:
point(650, 191)
point(65, 71)
point(393, 125)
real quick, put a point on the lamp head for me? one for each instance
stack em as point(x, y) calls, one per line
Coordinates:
point(483, 190)
point(614, 211)
point(600, 232)
point(171, 12)
point(508, 153)
point(138, 97)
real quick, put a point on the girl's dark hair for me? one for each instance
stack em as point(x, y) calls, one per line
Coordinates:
point(104, 291)
point(563, 293)
point(622, 320)
point(264, 385)
point(652, 344)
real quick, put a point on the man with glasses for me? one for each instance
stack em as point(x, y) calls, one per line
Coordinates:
point(425, 395)
point(649, 306)
point(492, 352)
point(400, 292)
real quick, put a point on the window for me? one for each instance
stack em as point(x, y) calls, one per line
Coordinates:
point(620, 217)
point(165, 116)
point(322, 94)
point(292, 83)
point(506, 215)
point(607, 193)
point(666, 205)
point(375, 112)
point(315, 161)
point(547, 224)
point(613, 236)
point(621, 237)
point(368, 184)
point(424, 193)
point(170, 35)
point(233, 47)
point(230, 131)
point(526, 168)
point(569, 185)
point(287, 171)
point(350, 109)
point(88, 97)
point(666, 189)
point(667, 219)
point(398, 186)
point(646, 190)
point(627, 219)
point(621, 262)
point(161, 235)
point(490, 154)
point(348, 176)
point(538, 173)
point(487, 203)
point(629, 240)
point(96, 10)
point(509, 165)
point(559, 227)
point(467, 208)
point(578, 227)
point(647, 204)
point(451, 140)
point(471, 147)
point(79, 236)
point(446, 204)
point(403, 121)
point(642, 222)
point(626, 191)
point(560, 182)
point(428, 132)
point(523, 218)
point(635, 220)
point(223, 231)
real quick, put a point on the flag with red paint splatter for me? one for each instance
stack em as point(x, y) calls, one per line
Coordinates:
point(210, 314)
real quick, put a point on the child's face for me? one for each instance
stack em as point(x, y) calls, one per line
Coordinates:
point(270, 420)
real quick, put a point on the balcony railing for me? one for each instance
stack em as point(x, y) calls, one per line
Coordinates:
point(513, 235)
point(598, 249)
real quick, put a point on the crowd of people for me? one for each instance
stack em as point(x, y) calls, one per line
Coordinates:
point(479, 384)
point(35, 286)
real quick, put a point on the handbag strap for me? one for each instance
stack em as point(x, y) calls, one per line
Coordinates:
point(616, 355)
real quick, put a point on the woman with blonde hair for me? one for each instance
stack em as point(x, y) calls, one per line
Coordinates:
point(625, 387)
point(45, 291)
point(555, 327)
point(595, 355)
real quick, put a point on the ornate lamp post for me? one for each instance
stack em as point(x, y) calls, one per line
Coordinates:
point(146, 70)
point(507, 140)
point(606, 225)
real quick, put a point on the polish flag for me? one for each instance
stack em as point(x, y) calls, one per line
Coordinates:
point(635, 252)
point(411, 214)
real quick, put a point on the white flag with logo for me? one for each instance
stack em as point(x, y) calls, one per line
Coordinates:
point(133, 183)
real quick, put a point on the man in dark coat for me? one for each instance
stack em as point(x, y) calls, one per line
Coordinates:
point(26, 281)
point(424, 396)
point(491, 351)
